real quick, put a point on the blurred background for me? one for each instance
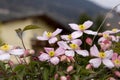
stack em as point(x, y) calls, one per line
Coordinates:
point(52, 14)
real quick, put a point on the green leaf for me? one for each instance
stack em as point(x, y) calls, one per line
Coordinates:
point(46, 74)
point(20, 69)
point(19, 32)
point(30, 27)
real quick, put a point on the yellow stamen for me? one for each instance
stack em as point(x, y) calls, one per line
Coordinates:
point(74, 46)
point(5, 47)
point(51, 53)
point(102, 55)
point(117, 62)
point(114, 30)
point(49, 34)
point(81, 27)
point(69, 36)
point(105, 35)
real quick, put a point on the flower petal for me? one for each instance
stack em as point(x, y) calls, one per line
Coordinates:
point(77, 41)
point(48, 49)
point(56, 32)
point(59, 51)
point(76, 34)
point(65, 37)
point(70, 53)
point(94, 51)
point(54, 60)
point(52, 40)
point(44, 57)
point(82, 52)
point(95, 62)
point(108, 63)
point(42, 38)
point(5, 56)
point(63, 45)
point(109, 54)
point(74, 26)
point(17, 52)
point(90, 32)
point(87, 24)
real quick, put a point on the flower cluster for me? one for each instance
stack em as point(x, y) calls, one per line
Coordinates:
point(75, 57)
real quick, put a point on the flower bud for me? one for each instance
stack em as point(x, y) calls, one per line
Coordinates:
point(89, 41)
point(63, 78)
point(31, 51)
point(117, 73)
point(89, 66)
point(11, 63)
point(56, 76)
point(111, 78)
point(68, 77)
point(63, 58)
point(72, 59)
point(70, 68)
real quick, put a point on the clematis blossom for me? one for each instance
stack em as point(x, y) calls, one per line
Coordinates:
point(73, 47)
point(116, 60)
point(51, 55)
point(102, 57)
point(5, 52)
point(82, 28)
point(50, 36)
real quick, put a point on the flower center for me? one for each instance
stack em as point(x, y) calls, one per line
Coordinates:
point(74, 46)
point(49, 34)
point(5, 47)
point(105, 35)
point(102, 55)
point(81, 27)
point(69, 36)
point(114, 30)
point(51, 53)
point(117, 61)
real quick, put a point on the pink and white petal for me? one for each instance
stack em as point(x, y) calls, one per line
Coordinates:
point(108, 63)
point(113, 38)
point(77, 41)
point(70, 53)
point(1, 52)
point(48, 49)
point(59, 51)
point(63, 45)
point(94, 51)
point(95, 62)
point(114, 57)
point(90, 32)
point(101, 39)
point(52, 40)
point(42, 38)
point(55, 60)
point(82, 52)
point(88, 24)
point(56, 32)
point(76, 34)
point(109, 54)
point(5, 56)
point(64, 37)
point(44, 57)
point(17, 52)
point(74, 26)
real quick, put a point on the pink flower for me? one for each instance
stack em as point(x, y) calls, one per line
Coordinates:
point(89, 41)
point(116, 60)
point(117, 73)
point(63, 78)
point(72, 48)
point(82, 28)
point(69, 37)
point(50, 36)
point(102, 57)
point(51, 55)
point(69, 68)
